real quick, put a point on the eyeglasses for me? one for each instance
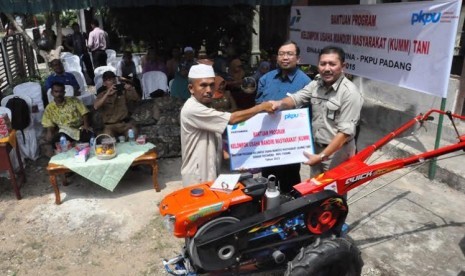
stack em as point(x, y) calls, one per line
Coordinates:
point(289, 54)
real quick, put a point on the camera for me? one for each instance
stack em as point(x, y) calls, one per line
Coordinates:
point(119, 88)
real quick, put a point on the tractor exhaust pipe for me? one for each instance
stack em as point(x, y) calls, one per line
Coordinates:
point(272, 193)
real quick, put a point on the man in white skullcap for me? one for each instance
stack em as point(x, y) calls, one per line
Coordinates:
point(179, 85)
point(202, 126)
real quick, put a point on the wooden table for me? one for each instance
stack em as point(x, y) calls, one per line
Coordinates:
point(5, 162)
point(148, 158)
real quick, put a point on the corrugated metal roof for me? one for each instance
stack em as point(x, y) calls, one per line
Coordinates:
point(37, 6)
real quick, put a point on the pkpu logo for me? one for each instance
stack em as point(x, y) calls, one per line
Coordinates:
point(295, 19)
point(425, 18)
point(291, 116)
point(236, 125)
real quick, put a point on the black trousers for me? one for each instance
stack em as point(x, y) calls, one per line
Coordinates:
point(84, 137)
point(99, 58)
point(287, 175)
point(85, 59)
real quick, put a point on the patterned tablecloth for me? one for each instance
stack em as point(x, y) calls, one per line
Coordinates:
point(106, 173)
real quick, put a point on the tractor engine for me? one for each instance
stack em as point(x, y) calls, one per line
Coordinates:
point(239, 229)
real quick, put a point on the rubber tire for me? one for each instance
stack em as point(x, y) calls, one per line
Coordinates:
point(327, 256)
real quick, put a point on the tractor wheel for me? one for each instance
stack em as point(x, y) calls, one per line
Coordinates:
point(333, 256)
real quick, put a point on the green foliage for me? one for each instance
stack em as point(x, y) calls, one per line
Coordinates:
point(40, 19)
point(68, 18)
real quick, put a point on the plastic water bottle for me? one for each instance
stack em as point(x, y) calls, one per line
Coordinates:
point(92, 141)
point(131, 136)
point(63, 143)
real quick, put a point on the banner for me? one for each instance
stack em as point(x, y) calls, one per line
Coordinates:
point(406, 44)
point(270, 139)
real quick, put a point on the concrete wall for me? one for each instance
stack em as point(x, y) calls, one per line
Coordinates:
point(387, 106)
point(406, 99)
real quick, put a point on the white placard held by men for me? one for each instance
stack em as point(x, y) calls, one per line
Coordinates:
point(270, 139)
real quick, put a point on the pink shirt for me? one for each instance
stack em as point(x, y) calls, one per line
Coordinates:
point(97, 40)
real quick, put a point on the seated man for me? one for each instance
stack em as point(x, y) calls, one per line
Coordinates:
point(127, 70)
point(66, 116)
point(113, 102)
point(59, 75)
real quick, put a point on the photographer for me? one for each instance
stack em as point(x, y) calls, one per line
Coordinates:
point(113, 102)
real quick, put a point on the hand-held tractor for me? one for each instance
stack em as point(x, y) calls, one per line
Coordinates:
point(254, 228)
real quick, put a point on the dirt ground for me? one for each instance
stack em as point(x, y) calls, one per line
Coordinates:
point(93, 232)
point(411, 227)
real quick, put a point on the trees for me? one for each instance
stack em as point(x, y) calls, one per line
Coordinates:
point(47, 55)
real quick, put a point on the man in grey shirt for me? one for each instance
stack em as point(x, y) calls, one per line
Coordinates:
point(336, 104)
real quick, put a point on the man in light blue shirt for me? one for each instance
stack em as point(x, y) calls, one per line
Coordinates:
point(276, 85)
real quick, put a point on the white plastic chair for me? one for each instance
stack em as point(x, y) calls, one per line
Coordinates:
point(72, 63)
point(98, 74)
point(65, 54)
point(69, 92)
point(98, 81)
point(118, 69)
point(115, 63)
point(152, 81)
point(24, 97)
point(110, 54)
point(81, 81)
point(5, 110)
point(102, 69)
point(33, 90)
point(28, 145)
point(87, 98)
point(137, 62)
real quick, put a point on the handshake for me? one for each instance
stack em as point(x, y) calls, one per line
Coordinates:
point(270, 106)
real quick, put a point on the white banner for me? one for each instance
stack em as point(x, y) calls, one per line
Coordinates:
point(405, 44)
point(270, 139)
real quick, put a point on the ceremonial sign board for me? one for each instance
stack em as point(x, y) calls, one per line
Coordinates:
point(406, 44)
point(270, 139)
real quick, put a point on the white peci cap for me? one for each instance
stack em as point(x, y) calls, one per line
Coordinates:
point(201, 71)
point(188, 49)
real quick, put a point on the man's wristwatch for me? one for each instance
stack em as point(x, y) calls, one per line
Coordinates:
point(323, 157)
